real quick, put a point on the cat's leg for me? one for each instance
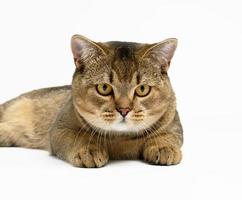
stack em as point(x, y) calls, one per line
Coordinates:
point(17, 127)
point(6, 139)
point(16, 135)
point(163, 149)
point(79, 149)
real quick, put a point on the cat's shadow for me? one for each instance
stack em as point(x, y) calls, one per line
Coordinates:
point(114, 163)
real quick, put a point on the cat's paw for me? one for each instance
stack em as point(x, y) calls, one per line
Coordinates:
point(90, 157)
point(162, 155)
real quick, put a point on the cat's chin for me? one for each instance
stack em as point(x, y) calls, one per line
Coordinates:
point(119, 127)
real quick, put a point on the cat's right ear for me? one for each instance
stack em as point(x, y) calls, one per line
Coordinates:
point(84, 49)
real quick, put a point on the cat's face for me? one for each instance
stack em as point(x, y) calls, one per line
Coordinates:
point(121, 87)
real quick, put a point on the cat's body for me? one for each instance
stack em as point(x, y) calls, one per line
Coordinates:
point(114, 109)
point(26, 120)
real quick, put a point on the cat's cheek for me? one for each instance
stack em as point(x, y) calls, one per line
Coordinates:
point(151, 101)
point(86, 110)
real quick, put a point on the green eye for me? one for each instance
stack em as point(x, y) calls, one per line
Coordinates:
point(104, 89)
point(143, 90)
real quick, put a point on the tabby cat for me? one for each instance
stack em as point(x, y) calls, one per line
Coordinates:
point(120, 105)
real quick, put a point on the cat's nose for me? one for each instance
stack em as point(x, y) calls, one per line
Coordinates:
point(123, 111)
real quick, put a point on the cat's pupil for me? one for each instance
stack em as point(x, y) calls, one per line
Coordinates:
point(142, 88)
point(105, 87)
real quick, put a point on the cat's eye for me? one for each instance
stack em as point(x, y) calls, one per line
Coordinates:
point(143, 90)
point(104, 89)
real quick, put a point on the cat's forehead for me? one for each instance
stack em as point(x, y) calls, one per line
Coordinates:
point(122, 64)
point(123, 60)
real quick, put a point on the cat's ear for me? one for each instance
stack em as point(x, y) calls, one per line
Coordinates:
point(84, 49)
point(162, 52)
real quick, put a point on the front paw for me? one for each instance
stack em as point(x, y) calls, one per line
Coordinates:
point(162, 155)
point(89, 157)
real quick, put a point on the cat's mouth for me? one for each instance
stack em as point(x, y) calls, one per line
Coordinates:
point(121, 126)
point(123, 120)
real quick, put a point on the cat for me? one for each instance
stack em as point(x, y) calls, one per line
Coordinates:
point(120, 105)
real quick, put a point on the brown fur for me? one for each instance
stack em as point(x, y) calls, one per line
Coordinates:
point(74, 122)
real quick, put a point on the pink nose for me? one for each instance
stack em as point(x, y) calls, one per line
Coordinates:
point(123, 111)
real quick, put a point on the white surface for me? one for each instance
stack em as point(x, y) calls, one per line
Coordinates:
point(205, 72)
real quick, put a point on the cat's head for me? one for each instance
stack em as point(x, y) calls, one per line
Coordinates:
point(122, 86)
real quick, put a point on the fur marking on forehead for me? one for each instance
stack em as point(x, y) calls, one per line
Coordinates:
point(124, 63)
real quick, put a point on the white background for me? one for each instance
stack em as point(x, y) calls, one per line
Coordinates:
point(205, 72)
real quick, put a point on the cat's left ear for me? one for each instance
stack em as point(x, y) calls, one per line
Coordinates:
point(84, 49)
point(162, 52)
